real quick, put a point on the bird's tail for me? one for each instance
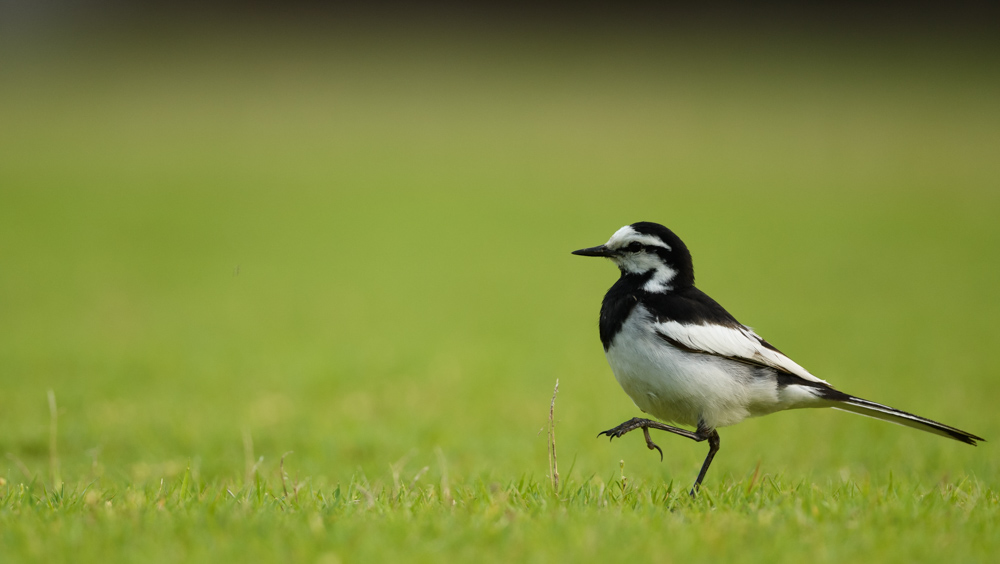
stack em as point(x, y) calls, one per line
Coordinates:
point(860, 406)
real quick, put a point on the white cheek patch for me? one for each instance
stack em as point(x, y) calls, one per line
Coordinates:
point(641, 263)
point(637, 263)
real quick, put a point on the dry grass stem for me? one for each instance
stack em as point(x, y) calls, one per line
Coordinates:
point(553, 463)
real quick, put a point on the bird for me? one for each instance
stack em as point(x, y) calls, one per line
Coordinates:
point(682, 358)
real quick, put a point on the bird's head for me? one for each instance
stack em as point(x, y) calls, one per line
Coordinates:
point(648, 250)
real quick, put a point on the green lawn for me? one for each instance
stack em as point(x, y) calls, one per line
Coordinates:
point(351, 249)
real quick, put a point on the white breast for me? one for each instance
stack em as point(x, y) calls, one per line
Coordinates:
point(684, 387)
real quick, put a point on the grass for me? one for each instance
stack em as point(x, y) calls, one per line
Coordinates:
point(307, 296)
point(522, 519)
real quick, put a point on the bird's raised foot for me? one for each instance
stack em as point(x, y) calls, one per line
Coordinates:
point(633, 424)
point(630, 425)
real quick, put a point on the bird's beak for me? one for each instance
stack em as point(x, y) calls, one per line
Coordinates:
point(598, 251)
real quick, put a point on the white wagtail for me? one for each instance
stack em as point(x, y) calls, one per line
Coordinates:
point(684, 359)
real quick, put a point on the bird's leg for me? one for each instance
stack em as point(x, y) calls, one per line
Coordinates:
point(640, 423)
point(700, 435)
point(713, 447)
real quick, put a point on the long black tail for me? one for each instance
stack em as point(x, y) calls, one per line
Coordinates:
point(860, 406)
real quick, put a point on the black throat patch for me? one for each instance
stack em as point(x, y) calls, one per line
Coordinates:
point(618, 303)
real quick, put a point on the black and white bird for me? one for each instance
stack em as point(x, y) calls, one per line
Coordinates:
point(684, 359)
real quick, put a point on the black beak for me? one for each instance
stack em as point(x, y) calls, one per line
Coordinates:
point(598, 251)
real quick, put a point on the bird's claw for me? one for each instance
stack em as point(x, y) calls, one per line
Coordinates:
point(650, 444)
point(610, 433)
point(613, 433)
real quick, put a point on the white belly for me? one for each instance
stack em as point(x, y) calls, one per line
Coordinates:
point(682, 387)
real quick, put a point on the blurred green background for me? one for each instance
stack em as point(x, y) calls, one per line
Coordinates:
point(353, 243)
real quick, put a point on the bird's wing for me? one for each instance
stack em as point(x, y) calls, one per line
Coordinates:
point(738, 343)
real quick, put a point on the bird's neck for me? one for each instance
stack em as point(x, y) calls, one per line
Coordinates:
point(659, 280)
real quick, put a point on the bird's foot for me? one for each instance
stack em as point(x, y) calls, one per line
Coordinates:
point(632, 425)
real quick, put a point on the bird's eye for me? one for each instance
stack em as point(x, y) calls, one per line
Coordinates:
point(634, 247)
